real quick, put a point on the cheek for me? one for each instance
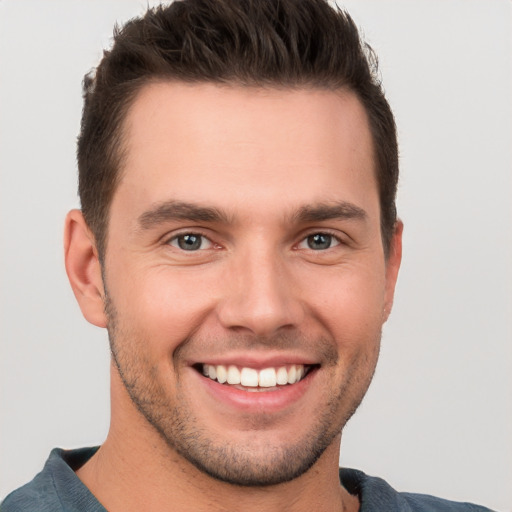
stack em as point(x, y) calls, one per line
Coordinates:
point(161, 304)
point(349, 298)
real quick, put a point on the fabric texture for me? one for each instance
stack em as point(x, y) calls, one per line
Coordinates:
point(57, 489)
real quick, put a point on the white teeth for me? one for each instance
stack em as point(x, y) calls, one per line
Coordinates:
point(249, 377)
point(233, 375)
point(292, 374)
point(222, 374)
point(282, 376)
point(267, 378)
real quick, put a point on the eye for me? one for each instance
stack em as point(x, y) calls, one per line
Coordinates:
point(190, 242)
point(319, 242)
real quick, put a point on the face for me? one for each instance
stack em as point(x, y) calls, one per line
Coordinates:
point(245, 274)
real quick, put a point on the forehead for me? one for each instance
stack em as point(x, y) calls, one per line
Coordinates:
point(232, 144)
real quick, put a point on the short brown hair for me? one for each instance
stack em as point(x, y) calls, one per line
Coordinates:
point(267, 43)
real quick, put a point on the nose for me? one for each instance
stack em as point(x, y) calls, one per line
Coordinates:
point(260, 295)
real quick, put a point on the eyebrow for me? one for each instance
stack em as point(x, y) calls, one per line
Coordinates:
point(329, 211)
point(179, 210)
point(172, 210)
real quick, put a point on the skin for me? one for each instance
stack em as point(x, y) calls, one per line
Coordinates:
point(276, 167)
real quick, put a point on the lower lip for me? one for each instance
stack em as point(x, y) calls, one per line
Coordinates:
point(258, 401)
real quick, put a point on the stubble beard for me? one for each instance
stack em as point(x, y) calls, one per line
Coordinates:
point(255, 464)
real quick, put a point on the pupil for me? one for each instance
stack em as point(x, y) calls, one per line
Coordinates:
point(189, 242)
point(319, 241)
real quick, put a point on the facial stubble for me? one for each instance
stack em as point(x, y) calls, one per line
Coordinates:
point(259, 463)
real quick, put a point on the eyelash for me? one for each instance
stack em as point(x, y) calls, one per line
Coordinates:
point(304, 240)
point(201, 236)
point(334, 238)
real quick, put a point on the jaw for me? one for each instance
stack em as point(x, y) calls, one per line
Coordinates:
point(240, 433)
point(239, 458)
point(163, 468)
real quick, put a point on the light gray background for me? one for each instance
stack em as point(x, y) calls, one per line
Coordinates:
point(438, 417)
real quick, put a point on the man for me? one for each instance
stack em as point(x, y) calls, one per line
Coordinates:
point(238, 239)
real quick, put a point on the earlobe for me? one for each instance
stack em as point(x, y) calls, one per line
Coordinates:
point(83, 268)
point(392, 267)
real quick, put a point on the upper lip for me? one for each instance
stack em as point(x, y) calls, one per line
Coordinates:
point(257, 361)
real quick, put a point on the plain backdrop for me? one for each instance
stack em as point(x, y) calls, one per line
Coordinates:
point(438, 417)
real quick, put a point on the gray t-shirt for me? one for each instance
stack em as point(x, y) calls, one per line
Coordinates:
point(57, 489)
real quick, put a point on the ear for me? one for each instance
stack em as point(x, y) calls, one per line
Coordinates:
point(83, 268)
point(392, 267)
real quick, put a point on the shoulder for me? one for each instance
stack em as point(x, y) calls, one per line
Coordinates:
point(55, 488)
point(424, 502)
point(376, 495)
point(38, 495)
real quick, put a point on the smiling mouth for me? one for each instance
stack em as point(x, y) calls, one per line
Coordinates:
point(250, 379)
